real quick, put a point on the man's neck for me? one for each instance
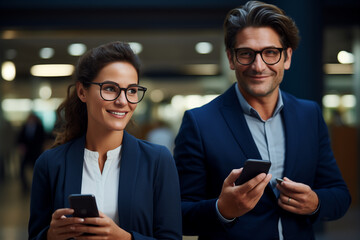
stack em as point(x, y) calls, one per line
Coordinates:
point(264, 105)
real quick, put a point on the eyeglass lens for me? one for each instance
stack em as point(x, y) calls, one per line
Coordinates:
point(110, 91)
point(247, 56)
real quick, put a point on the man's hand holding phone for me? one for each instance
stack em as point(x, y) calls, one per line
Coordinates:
point(252, 168)
point(236, 200)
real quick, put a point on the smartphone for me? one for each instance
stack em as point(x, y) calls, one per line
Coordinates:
point(252, 168)
point(84, 205)
point(279, 180)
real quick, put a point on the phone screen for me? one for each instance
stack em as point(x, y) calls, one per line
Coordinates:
point(84, 205)
point(252, 168)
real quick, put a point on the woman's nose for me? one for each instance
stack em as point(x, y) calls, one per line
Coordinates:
point(121, 99)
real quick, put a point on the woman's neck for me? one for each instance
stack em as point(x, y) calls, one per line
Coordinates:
point(102, 143)
point(97, 141)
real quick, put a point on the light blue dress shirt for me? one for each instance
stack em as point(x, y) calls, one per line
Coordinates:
point(269, 137)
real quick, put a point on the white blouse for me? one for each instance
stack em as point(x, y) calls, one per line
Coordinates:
point(103, 185)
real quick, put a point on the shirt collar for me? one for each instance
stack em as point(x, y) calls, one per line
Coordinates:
point(111, 154)
point(249, 110)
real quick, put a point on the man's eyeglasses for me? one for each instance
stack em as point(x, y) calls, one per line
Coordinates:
point(246, 56)
point(109, 91)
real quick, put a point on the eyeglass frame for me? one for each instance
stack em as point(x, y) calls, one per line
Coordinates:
point(258, 52)
point(121, 89)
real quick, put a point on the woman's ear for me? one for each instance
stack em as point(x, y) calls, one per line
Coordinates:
point(81, 91)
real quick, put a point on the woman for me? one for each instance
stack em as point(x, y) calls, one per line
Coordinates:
point(135, 183)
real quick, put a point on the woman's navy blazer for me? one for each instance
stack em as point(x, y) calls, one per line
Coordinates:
point(149, 198)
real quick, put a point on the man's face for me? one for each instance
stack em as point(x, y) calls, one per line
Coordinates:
point(258, 79)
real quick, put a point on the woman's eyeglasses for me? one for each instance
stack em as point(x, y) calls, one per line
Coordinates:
point(109, 91)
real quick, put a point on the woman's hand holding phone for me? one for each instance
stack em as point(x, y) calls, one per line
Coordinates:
point(103, 226)
point(94, 221)
point(62, 227)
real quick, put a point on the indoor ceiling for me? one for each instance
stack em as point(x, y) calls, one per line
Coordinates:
point(167, 56)
point(169, 59)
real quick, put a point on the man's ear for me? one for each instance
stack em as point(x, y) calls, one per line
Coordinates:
point(81, 92)
point(230, 58)
point(287, 62)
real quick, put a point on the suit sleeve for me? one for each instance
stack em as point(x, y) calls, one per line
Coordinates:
point(329, 185)
point(198, 210)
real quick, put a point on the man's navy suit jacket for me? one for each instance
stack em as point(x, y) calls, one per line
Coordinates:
point(149, 198)
point(215, 138)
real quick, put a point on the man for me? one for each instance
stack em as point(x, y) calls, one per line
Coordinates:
point(254, 119)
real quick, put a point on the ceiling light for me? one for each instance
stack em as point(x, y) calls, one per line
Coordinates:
point(77, 49)
point(52, 70)
point(18, 104)
point(331, 101)
point(345, 57)
point(45, 92)
point(8, 71)
point(46, 53)
point(9, 34)
point(336, 68)
point(136, 47)
point(203, 47)
point(201, 69)
point(348, 101)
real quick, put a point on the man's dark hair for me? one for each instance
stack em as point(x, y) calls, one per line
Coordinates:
point(259, 14)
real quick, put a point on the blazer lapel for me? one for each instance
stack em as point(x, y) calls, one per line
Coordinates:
point(291, 122)
point(129, 164)
point(236, 122)
point(234, 117)
point(73, 168)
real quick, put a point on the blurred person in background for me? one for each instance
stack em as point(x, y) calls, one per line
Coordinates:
point(255, 119)
point(30, 143)
point(135, 182)
point(161, 134)
point(8, 140)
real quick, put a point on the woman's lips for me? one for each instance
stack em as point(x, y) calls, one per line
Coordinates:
point(121, 114)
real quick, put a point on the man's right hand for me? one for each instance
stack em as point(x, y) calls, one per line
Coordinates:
point(234, 201)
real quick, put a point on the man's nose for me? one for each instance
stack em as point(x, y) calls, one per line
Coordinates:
point(258, 65)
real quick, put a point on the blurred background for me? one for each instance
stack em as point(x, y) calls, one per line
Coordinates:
point(184, 65)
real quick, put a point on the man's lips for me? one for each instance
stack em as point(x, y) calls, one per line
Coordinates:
point(258, 77)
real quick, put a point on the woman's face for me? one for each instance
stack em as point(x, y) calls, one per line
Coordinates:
point(109, 115)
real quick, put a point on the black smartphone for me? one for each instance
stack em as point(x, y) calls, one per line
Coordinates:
point(84, 205)
point(252, 168)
